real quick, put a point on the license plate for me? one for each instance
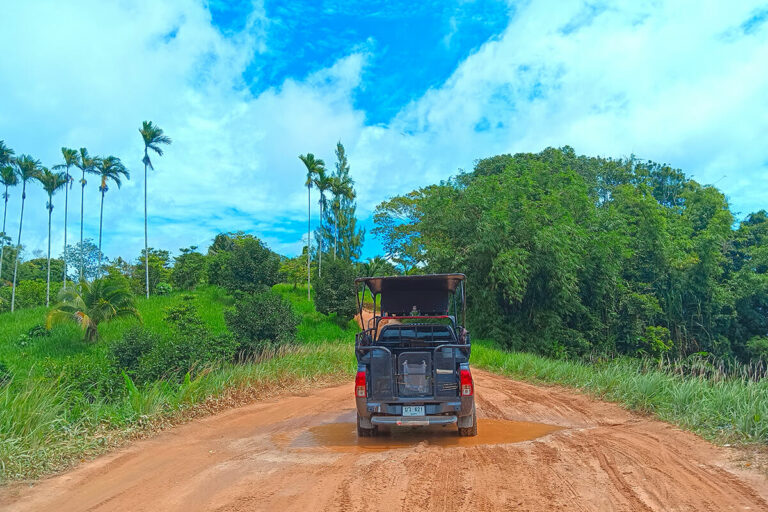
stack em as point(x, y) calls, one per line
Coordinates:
point(413, 410)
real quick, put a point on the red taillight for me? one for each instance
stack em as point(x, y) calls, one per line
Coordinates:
point(360, 385)
point(465, 379)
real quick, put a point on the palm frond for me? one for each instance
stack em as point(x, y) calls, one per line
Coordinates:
point(111, 169)
point(6, 154)
point(52, 182)
point(153, 137)
point(8, 176)
point(28, 168)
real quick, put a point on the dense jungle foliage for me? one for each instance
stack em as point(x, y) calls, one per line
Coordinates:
point(568, 254)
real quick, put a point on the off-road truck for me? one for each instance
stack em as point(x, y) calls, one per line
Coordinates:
point(413, 354)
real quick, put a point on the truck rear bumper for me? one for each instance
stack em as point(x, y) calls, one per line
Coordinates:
point(413, 421)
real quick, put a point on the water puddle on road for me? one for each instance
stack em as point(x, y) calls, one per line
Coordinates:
point(343, 436)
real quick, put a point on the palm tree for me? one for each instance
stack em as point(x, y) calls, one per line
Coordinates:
point(52, 182)
point(8, 178)
point(313, 166)
point(110, 168)
point(341, 188)
point(153, 137)
point(70, 158)
point(323, 183)
point(86, 164)
point(28, 168)
point(100, 301)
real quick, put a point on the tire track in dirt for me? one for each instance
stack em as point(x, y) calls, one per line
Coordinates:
point(263, 457)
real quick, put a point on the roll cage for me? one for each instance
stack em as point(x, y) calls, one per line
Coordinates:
point(417, 303)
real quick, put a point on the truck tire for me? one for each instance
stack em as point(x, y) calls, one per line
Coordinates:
point(470, 431)
point(364, 432)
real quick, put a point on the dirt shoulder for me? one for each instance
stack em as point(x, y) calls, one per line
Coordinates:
point(301, 453)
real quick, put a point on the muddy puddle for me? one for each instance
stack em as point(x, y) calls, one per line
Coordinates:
point(343, 436)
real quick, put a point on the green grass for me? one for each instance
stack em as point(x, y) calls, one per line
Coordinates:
point(315, 327)
point(44, 427)
point(722, 410)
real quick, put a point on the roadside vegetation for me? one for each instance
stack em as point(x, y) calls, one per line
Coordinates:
point(723, 404)
point(64, 398)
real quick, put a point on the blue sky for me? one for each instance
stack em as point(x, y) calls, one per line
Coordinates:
point(415, 91)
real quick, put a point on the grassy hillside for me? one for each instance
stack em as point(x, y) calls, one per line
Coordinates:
point(47, 421)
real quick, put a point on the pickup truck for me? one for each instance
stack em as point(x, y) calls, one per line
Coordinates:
point(413, 354)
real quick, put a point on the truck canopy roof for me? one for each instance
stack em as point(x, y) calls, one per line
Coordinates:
point(428, 294)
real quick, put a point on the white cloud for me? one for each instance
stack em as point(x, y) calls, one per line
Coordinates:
point(674, 82)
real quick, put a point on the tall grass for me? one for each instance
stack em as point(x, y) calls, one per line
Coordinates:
point(721, 407)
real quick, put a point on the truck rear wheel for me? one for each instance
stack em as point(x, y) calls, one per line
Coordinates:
point(364, 432)
point(470, 431)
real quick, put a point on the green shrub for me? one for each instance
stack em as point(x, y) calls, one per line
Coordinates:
point(335, 290)
point(261, 321)
point(189, 347)
point(26, 339)
point(87, 377)
point(126, 352)
point(163, 289)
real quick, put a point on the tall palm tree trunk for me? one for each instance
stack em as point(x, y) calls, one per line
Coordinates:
point(320, 242)
point(146, 242)
point(2, 242)
point(66, 209)
point(48, 286)
point(101, 220)
point(18, 247)
point(309, 234)
point(82, 210)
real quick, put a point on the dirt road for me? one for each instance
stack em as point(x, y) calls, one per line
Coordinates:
point(301, 453)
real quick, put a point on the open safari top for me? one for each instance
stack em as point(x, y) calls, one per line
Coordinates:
point(422, 297)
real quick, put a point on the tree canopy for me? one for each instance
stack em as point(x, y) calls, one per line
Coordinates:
point(569, 254)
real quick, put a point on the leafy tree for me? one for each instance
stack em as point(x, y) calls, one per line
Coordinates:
point(261, 321)
point(70, 159)
point(376, 266)
point(37, 268)
point(314, 167)
point(28, 169)
point(154, 139)
point(159, 270)
point(52, 182)
point(249, 266)
point(87, 255)
point(8, 178)
point(335, 290)
point(396, 226)
point(292, 269)
point(87, 165)
point(188, 269)
point(109, 169)
point(119, 270)
point(96, 302)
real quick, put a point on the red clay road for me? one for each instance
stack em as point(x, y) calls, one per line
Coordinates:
point(301, 453)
